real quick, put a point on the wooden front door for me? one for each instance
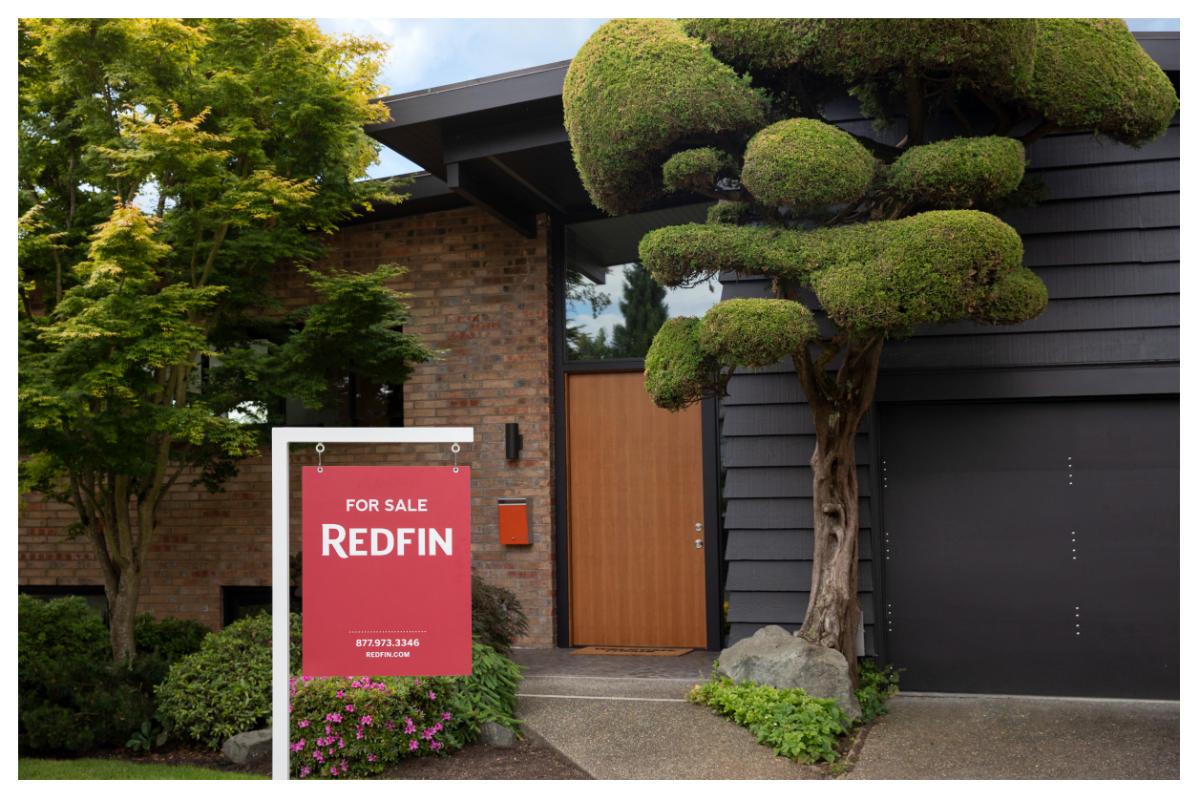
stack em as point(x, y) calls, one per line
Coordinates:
point(635, 493)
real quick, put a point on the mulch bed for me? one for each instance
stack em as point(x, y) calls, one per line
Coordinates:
point(526, 761)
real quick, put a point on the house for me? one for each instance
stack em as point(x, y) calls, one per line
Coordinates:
point(1020, 485)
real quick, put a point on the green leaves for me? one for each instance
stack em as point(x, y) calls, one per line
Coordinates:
point(789, 721)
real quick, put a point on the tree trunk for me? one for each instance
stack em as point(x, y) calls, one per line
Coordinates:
point(122, 609)
point(833, 612)
point(838, 407)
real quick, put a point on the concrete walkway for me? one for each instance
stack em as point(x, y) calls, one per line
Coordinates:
point(619, 717)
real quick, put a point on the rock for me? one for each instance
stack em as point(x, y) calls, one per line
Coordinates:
point(496, 735)
point(774, 657)
point(248, 746)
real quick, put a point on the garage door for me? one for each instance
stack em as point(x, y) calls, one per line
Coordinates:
point(1033, 548)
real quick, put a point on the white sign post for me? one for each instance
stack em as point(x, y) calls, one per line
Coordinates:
point(280, 549)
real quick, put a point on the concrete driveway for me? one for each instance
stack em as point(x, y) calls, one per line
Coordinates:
point(989, 738)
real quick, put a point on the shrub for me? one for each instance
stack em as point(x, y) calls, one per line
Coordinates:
point(496, 615)
point(65, 627)
point(81, 701)
point(225, 688)
point(171, 638)
point(874, 687)
point(791, 722)
point(488, 694)
point(70, 695)
point(348, 727)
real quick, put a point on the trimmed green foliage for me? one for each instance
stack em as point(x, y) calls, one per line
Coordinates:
point(496, 615)
point(686, 255)
point(107, 769)
point(678, 370)
point(789, 721)
point(633, 92)
point(755, 332)
point(890, 276)
point(984, 53)
point(225, 688)
point(697, 169)
point(1093, 73)
point(959, 172)
point(1016, 298)
point(170, 638)
point(803, 163)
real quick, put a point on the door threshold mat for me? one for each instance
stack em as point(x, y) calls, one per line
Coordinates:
point(612, 650)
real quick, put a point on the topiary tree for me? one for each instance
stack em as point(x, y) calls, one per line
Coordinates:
point(881, 238)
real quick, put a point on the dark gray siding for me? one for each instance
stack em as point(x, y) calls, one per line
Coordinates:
point(1106, 244)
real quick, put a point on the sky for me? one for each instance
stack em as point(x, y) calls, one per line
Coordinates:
point(434, 52)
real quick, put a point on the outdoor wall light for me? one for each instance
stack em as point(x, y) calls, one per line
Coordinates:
point(513, 441)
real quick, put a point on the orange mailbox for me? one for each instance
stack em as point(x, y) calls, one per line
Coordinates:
point(514, 522)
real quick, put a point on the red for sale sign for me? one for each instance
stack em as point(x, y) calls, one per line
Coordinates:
point(387, 571)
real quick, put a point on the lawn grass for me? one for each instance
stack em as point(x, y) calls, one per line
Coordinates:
point(102, 769)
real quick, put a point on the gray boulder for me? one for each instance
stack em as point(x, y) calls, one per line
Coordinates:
point(496, 735)
point(248, 746)
point(774, 657)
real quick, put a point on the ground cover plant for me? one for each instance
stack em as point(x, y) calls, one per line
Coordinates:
point(861, 240)
point(790, 721)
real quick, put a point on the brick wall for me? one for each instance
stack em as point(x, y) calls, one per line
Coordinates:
point(480, 292)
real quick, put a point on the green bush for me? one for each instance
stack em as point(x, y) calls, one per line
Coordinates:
point(80, 701)
point(225, 688)
point(488, 694)
point(795, 725)
point(70, 695)
point(875, 686)
point(354, 727)
point(171, 638)
point(65, 627)
point(496, 615)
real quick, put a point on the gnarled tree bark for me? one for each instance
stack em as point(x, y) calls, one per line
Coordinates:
point(838, 407)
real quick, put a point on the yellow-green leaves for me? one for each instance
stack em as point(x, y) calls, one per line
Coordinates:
point(633, 92)
point(803, 163)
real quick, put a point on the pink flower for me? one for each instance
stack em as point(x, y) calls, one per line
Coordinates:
point(413, 745)
point(339, 694)
point(360, 734)
point(436, 745)
point(446, 716)
point(437, 727)
point(370, 756)
point(303, 723)
point(342, 743)
point(334, 717)
point(328, 729)
point(368, 720)
point(350, 709)
point(333, 770)
point(432, 696)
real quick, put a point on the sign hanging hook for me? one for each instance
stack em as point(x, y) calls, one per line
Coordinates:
point(320, 449)
point(454, 449)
